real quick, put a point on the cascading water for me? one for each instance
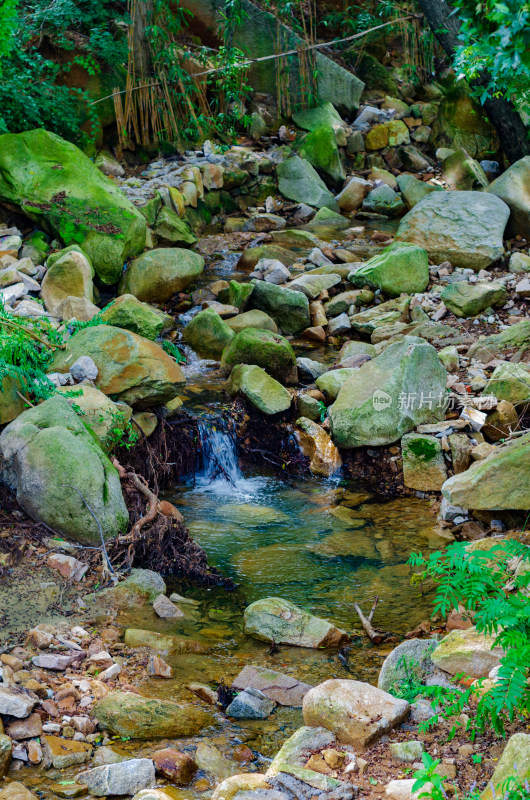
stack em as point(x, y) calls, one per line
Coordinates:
point(219, 454)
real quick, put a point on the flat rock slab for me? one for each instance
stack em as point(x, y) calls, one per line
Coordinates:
point(128, 777)
point(62, 753)
point(17, 702)
point(283, 689)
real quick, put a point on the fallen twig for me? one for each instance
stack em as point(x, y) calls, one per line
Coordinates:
point(373, 634)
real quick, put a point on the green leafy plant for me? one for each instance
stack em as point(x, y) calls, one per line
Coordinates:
point(427, 778)
point(173, 351)
point(122, 432)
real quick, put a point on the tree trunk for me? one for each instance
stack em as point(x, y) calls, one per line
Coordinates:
point(501, 113)
point(141, 18)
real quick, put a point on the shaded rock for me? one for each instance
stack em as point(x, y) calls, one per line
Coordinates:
point(309, 119)
point(127, 714)
point(384, 200)
point(309, 370)
point(316, 444)
point(267, 350)
point(170, 227)
point(68, 276)
point(259, 388)
point(157, 275)
point(469, 299)
point(299, 181)
point(126, 311)
point(251, 704)
point(424, 466)
point(320, 149)
point(461, 172)
point(467, 652)
point(357, 713)
point(252, 319)
point(292, 758)
point(514, 763)
point(211, 760)
point(208, 334)
point(283, 689)
point(410, 660)
point(352, 196)
point(276, 620)
point(127, 777)
point(513, 187)
point(397, 269)
point(465, 228)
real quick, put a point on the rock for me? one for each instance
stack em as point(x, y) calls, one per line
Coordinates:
point(127, 777)
point(208, 334)
point(413, 190)
point(130, 368)
point(292, 758)
point(384, 200)
point(513, 187)
point(136, 637)
point(264, 392)
point(356, 713)
point(26, 728)
point(289, 309)
point(76, 308)
point(175, 766)
point(58, 186)
point(68, 566)
point(299, 181)
point(68, 276)
point(320, 149)
point(509, 382)
point(276, 620)
point(236, 785)
point(250, 704)
point(283, 689)
point(83, 369)
point(409, 751)
point(461, 122)
point(309, 370)
point(56, 661)
point(108, 165)
point(264, 223)
point(331, 382)
point(352, 196)
point(62, 753)
point(402, 789)
point(6, 747)
point(267, 350)
point(16, 791)
point(514, 763)
point(424, 466)
point(126, 311)
point(309, 119)
point(382, 400)
point(253, 255)
point(499, 482)
point(396, 270)
point(211, 760)
point(164, 608)
point(11, 404)
point(127, 714)
point(159, 274)
point(519, 262)
point(501, 422)
point(171, 228)
point(313, 285)
point(449, 358)
point(467, 652)
point(252, 319)
point(469, 299)
point(316, 444)
point(158, 668)
point(340, 325)
point(342, 302)
point(461, 172)
point(409, 660)
point(465, 228)
point(48, 447)
point(515, 337)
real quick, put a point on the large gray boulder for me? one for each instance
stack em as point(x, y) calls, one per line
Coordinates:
point(263, 392)
point(126, 777)
point(465, 228)
point(513, 186)
point(299, 181)
point(157, 275)
point(273, 619)
point(390, 395)
point(48, 450)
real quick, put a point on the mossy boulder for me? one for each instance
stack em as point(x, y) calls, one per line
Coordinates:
point(130, 368)
point(262, 391)
point(265, 349)
point(97, 410)
point(57, 185)
point(398, 269)
point(469, 299)
point(424, 466)
point(462, 172)
point(462, 123)
point(513, 187)
point(413, 190)
point(300, 182)
point(208, 334)
point(11, 404)
point(510, 382)
point(516, 337)
point(331, 382)
point(384, 200)
point(159, 274)
point(273, 619)
point(170, 227)
point(311, 119)
point(467, 652)
point(514, 763)
point(48, 450)
point(126, 311)
point(289, 309)
point(250, 257)
point(320, 148)
point(252, 319)
point(131, 715)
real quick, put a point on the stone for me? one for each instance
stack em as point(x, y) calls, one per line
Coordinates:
point(408, 751)
point(467, 652)
point(98, 411)
point(175, 766)
point(76, 308)
point(402, 789)
point(509, 382)
point(283, 689)
point(250, 257)
point(398, 269)
point(513, 187)
point(409, 660)
point(211, 760)
point(424, 466)
point(517, 337)
point(309, 370)
point(130, 368)
point(368, 409)
point(48, 447)
point(68, 566)
point(127, 714)
point(164, 608)
point(514, 763)
point(68, 276)
point(16, 791)
point(413, 190)
point(6, 747)
point(339, 325)
point(449, 358)
point(313, 285)
point(461, 122)
point(465, 228)
point(158, 668)
point(309, 119)
point(352, 196)
point(54, 183)
point(267, 350)
point(136, 637)
point(300, 182)
point(469, 299)
point(315, 443)
point(289, 309)
point(519, 262)
point(252, 319)
point(61, 753)
point(250, 704)
point(331, 382)
point(319, 148)
point(11, 404)
point(235, 785)
point(25, 729)
point(157, 275)
point(292, 759)
point(355, 712)
point(260, 389)
point(342, 302)
point(461, 172)
point(126, 777)
point(55, 661)
point(208, 334)
point(276, 620)
point(171, 228)
point(126, 311)
point(501, 422)
point(384, 200)
point(500, 482)
point(327, 219)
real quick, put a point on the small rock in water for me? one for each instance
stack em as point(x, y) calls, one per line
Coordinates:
point(165, 609)
point(158, 668)
point(174, 765)
point(251, 704)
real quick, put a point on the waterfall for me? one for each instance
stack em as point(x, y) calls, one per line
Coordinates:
point(219, 454)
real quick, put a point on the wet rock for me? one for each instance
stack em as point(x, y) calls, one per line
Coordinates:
point(247, 782)
point(62, 753)
point(262, 391)
point(410, 659)
point(130, 368)
point(127, 714)
point(398, 269)
point(163, 607)
point(128, 777)
point(267, 350)
point(174, 765)
point(299, 181)
point(71, 791)
point(283, 689)
point(157, 275)
point(211, 760)
point(467, 652)
point(514, 763)
point(250, 704)
point(316, 444)
point(158, 668)
point(468, 300)
point(276, 620)
point(16, 701)
point(252, 319)
point(513, 187)
point(292, 758)
point(424, 467)
point(465, 228)
point(16, 791)
point(135, 637)
point(208, 334)
point(357, 713)
point(68, 276)
point(289, 309)
point(126, 311)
